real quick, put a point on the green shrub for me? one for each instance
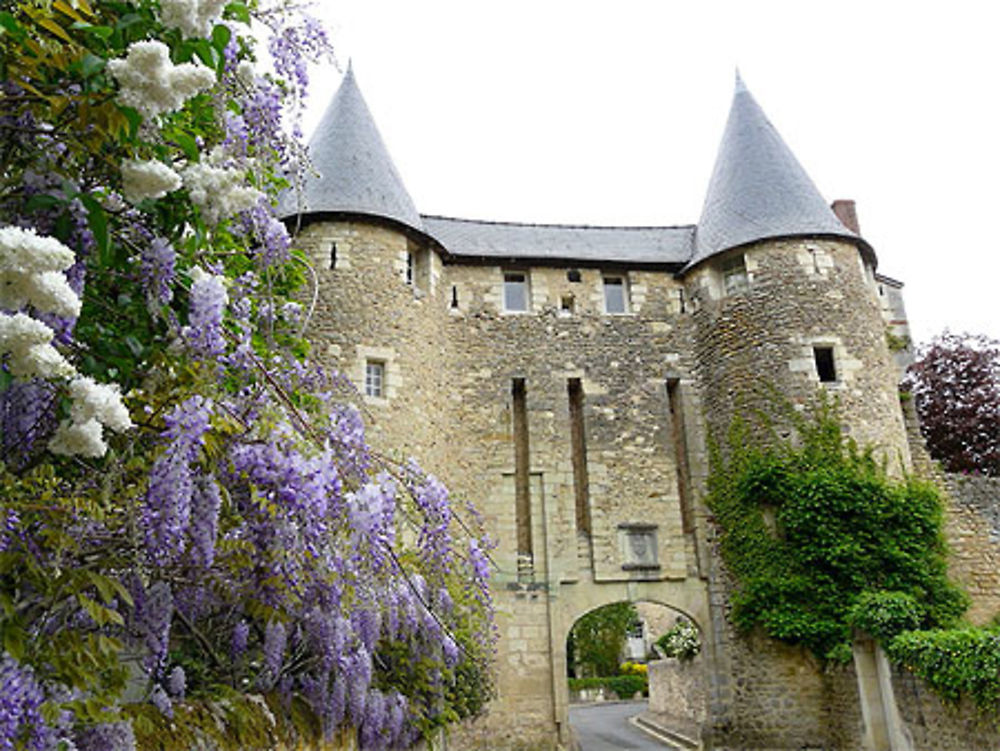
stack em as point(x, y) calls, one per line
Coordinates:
point(624, 686)
point(953, 662)
point(814, 528)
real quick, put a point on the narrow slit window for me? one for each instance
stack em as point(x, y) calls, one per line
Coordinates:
point(375, 379)
point(333, 255)
point(515, 292)
point(454, 296)
point(578, 442)
point(615, 295)
point(410, 264)
point(825, 366)
point(522, 477)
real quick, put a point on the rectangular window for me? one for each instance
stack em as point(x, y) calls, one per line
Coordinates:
point(734, 274)
point(825, 366)
point(615, 295)
point(515, 292)
point(375, 379)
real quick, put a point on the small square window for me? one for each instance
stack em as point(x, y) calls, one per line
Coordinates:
point(515, 292)
point(825, 367)
point(573, 275)
point(615, 295)
point(375, 379)
point(734, 274)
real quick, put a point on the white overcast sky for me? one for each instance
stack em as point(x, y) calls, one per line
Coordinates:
point(611, 112)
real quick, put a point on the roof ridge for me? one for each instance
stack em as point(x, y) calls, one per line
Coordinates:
point(558, 225)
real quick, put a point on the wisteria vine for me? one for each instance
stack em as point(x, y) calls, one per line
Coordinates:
point(189, 502)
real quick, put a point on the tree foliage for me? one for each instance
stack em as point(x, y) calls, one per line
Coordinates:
point(813, 527)
point(598, 638)
point(956, 391)
point(189, 509)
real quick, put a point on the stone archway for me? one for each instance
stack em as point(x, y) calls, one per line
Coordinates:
point(671, 599)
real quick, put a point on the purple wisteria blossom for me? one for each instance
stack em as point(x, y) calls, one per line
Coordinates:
point(153, 612)
point(157, 266)
point(21, 698)
point(241, 634)
point(275, 639)
point(204, 334)
point(167, 512)
point(205, 504)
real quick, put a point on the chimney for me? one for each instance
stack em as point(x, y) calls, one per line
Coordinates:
point(847, 214)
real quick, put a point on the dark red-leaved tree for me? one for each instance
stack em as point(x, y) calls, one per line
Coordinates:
point(956, 390)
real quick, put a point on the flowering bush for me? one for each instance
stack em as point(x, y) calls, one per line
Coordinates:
point(189, 507)
point(680, 641)
point(634, 668)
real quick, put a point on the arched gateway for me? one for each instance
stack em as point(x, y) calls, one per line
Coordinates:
point(562, 377)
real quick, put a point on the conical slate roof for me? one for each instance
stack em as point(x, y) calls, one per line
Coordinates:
point(356, 174)
point(759, 190)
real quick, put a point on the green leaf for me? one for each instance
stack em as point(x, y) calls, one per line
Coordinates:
point(220, 38)
point(9, 25)
point(239, 11)
point(101, 615)
point(91, 64)
point(98, 223)
point(188, 145)
point(104, 32)
point(13, 641)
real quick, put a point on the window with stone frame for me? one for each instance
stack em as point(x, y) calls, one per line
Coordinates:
point(515, 291)
point(615, 294)
point(375, 379)
point(734, 274)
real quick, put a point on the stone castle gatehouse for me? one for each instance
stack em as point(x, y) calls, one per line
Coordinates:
point(565, 380)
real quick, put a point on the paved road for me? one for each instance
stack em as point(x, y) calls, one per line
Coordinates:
point(605, 727)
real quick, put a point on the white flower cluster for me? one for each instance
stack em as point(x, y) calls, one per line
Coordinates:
point(31, 269)
point(151, 179)
point(219, 191)
point(94, 404)
point(27, 343)
point(151, 83)
point(194, 18)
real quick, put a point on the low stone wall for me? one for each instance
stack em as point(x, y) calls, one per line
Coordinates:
point(936, 725)
point(678, 696)
point(972, 528)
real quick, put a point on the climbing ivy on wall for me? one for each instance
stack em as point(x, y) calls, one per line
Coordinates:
point(820, 539)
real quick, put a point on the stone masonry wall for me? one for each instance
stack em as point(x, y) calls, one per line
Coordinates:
point(972, 527)
point(622, 362)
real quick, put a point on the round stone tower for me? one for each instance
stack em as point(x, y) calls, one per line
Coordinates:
point(784, 307)
point(379, 310)
point(784, 295)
